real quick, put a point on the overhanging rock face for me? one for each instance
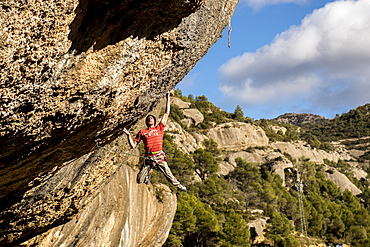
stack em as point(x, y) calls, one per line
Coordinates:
point(123, 213)
point(73, 73)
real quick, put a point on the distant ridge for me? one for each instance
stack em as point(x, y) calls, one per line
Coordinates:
point(298, 119)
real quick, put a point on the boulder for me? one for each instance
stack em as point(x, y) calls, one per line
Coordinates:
point(194, 114)
point(237, 136)
point(180, 103)
point(342, 181)
point(299, 149)
point(184, 140)
point(277, 128)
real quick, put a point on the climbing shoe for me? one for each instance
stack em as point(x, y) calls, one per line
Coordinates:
point(181, 187)
point(147, 179)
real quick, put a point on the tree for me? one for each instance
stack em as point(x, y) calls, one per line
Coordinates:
point(201, 98)
point(212, 147)
point(246, 174)
point(238, 113)
point(211, 191)
point(184, 221)
point(202, 104)
point(235, 230)
point(177, 115)
point(178, 93)
point(279, 229)
point(191, 97)
point(205, 163)
point(195, 223)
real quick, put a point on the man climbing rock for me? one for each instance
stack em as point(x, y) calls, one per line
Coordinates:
point(153, 141)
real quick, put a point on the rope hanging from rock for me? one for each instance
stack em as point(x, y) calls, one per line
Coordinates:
point(229, 29)
point(144, 157)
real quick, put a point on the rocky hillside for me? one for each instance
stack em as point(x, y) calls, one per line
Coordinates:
point(298, 119)
point(269, 177)
point(250, 142)
point(73, 74)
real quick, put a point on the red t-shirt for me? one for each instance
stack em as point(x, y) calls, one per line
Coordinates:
point(152, 138)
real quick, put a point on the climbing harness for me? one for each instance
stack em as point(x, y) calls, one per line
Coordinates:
point(153, 156)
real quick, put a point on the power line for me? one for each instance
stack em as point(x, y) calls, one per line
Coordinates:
point(301, 209)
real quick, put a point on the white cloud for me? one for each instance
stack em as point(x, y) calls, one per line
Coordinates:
point(258, 4)
point(324, 62)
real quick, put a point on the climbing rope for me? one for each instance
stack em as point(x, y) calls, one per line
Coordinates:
point(106, 205)
point(116, 151)
point(229, 29)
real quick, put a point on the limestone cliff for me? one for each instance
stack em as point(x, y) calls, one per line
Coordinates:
point(121, 214)
point(238, 136)
point(73, 74)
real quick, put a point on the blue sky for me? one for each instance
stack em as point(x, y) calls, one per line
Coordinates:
point(301, 56)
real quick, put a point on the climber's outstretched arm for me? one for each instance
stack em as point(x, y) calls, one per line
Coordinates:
point(167, 112)
point(132, 142)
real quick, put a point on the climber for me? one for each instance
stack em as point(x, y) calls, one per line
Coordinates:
point(153, 141)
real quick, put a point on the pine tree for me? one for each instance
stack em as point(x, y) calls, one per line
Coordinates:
point(238, 113)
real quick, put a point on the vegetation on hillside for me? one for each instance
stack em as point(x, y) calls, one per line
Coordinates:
point(353, 124)
point(216, 209)
point(212, 114)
